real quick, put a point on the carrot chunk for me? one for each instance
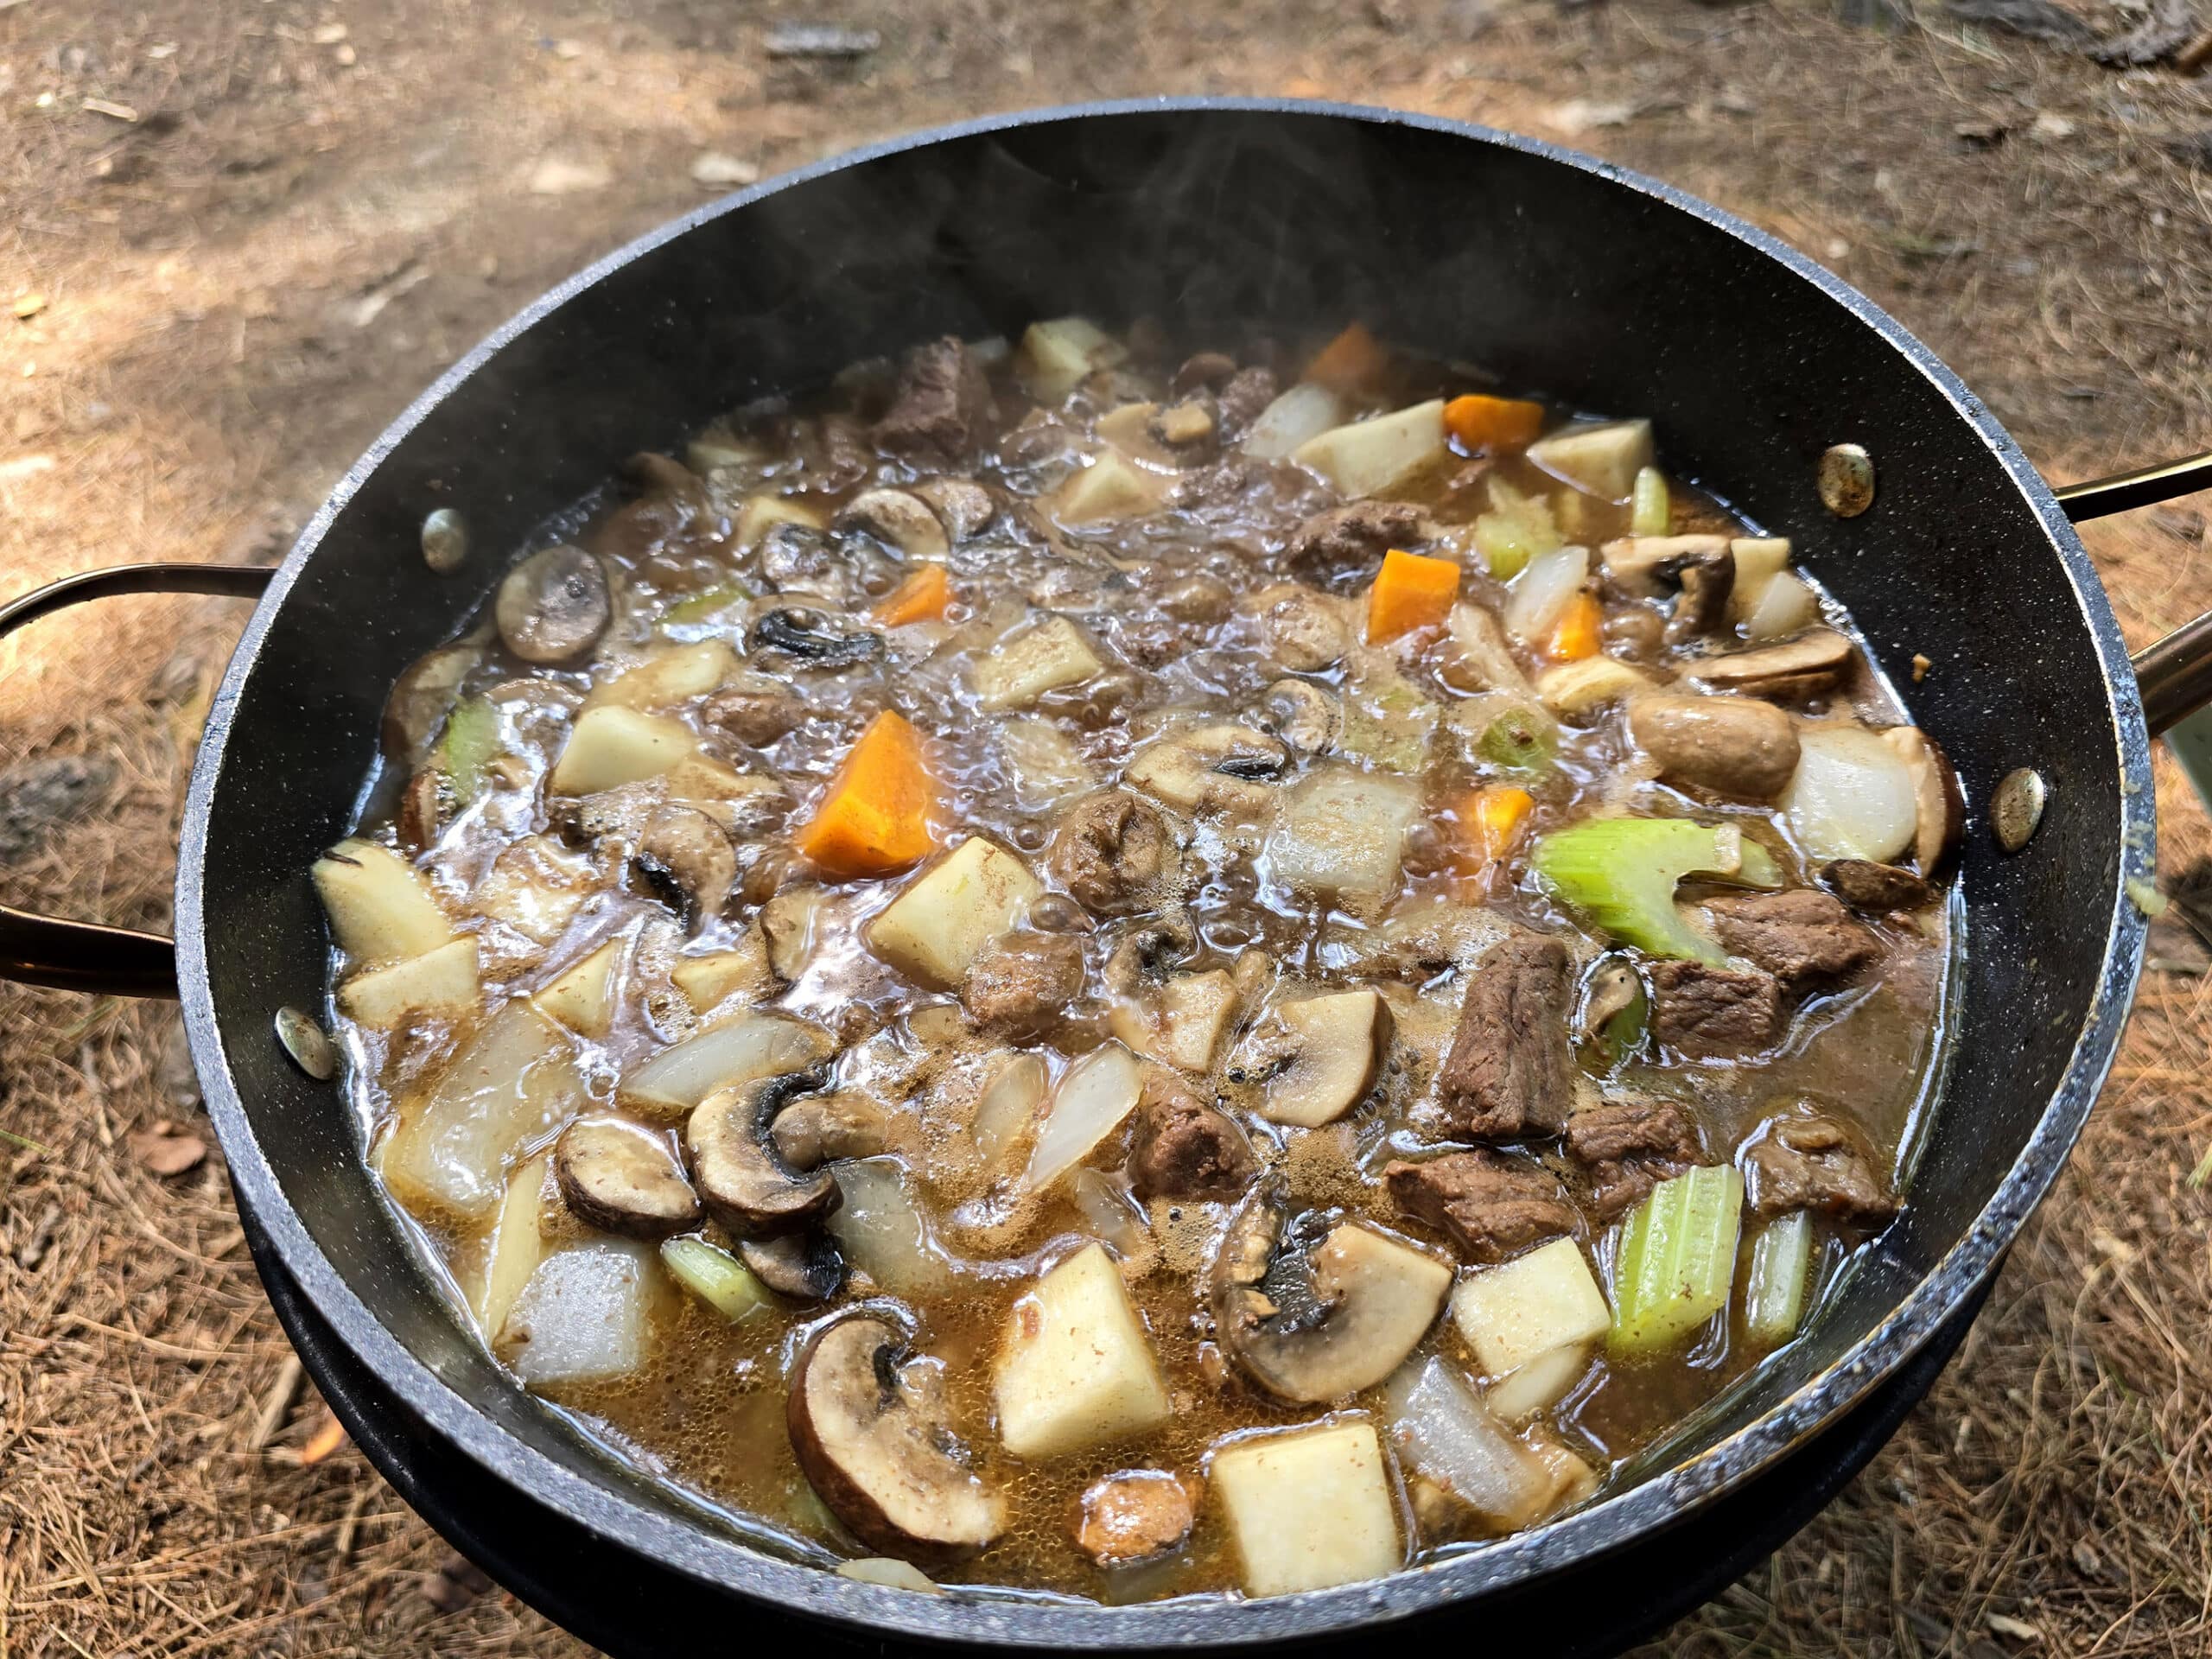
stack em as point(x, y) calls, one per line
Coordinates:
point(874, 820)
point(1353, 360)
point(1410, 592)
point(1480, 423)
point(1487, 824)
point(921, 598)
point(1580, 631)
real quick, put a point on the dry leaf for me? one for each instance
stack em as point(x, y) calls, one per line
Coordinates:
point(327, 1439)
point(2018, 1629)
point(555, 176)
point(166, 1150)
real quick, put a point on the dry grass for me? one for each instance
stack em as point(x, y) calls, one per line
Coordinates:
point(245, 284)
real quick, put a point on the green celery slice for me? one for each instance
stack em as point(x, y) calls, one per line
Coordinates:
point(1774, 1292)
point(467, 747)
point(701, 606)
point(1677, 1260)
point(1518, 740)
point(1516, 530)
point(1621, 873)
point(1649, 511)
point(716, 1277)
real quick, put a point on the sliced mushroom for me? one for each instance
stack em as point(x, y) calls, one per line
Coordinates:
point(1219, 767)
point(741, 1176)
point(1875, 889)
point(1649, 567)
point(806, 1267)
point(1615, 1010)
point(1202, 372)
point(871, 1427)
point(787, 922)
point(554, 606)
point(1306, 717)
point(965, 507)
point(1363, 1303)
point(621, 1179)
point(688, 859)
point(1313, 1061)
point(809, 635)
point(422, 697)
point(422, 806)
point(823, 1128)
point(1813, 662)
point(897, 519)
point(1732, 746)
point(1941, 809)
point(1702, 607)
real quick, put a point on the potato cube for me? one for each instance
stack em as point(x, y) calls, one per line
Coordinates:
point(1309, 1507)
point(1572, 688)
point(673, 675)
point(442, 981)
point(1522, 1311)
point(935, 929)
point(584, 1317)
point(1194, 1014)
point(707, 980)
point(1341, 833)
point(1023, 667)
point(1758, 561)
point(1075, 1368)
point(582, 996)
point(1109, 488)
point(612, 746)
point(1057, 355)
point(1601, 458)
point(379, 907)
point(1370, 456)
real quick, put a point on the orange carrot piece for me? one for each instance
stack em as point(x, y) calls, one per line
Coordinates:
point(921, 598)
point(1490, 820)
point(1354, 360)
point(1580, 631)
point(1410, 592)
point(874, 820)
point(1480, 423)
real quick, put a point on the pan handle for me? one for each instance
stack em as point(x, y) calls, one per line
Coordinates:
point(2175, 675)
point(84, 956)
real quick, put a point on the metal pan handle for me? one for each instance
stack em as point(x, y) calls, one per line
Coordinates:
point(2175, 674)
point(84, 956)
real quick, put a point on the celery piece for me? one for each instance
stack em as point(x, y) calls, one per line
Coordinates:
point(701, 606)
point(1518, 740)
point(1649, 511)
point(467, 747)
point(1387, 721)
point(716, 1277)
point(1677, 1260)
point(1621, 873)
point(1774, 1292)
point(1516, 528)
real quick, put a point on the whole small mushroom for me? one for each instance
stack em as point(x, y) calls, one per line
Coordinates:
point(554, 606)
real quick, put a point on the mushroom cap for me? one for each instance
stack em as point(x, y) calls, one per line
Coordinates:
point(741, 1180)
point(1812, 662)
point(553, 607)
point(868, 1423)
point(1373, 1300)
point(806, 1267)
point(621, 1179)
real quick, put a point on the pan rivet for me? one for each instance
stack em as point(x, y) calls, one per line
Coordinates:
point(2017, 807)
point(303, 1039)
point(1847, 481)
point(445, 541)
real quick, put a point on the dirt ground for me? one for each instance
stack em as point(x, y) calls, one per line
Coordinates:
point(237, 236)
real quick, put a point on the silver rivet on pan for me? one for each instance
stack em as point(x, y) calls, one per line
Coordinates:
point(2017, 807)
point(445, 541)
point(305, 1041)
point(1847, 480)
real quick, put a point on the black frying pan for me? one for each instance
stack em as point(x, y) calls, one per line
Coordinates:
point(1608, 290)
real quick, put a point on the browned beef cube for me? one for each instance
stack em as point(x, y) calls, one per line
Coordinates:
point(1025, 984)
point(1804, 937)
point(1183, 1148)
point(1810, 1160)
point(942, 407)
point(1241, 398)
point(1509, 1074)
point(1706, 1013)
point(1492, 1204)
point(1875, 889)
point(1630, 1146)
point(1346, 544)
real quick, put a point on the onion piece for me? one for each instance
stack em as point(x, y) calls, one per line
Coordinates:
point(1009, 1105)
point(1851, 796)
point(1305, 411)
point(515, 1080)
point(1098, 1091)
point(1786, 606)
point(884, 1233)
point(1446, 1432)
point(744, 1050)
point(582, 1317)
point(1542, 591)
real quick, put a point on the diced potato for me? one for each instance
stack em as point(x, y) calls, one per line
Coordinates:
point(942, 922)
point(613, 746)
point(1129, 429)
point(1076, 1368)
point(518, 1246)
point(379, 907)
point(1370, 456)
point(583, 1316)
point(1601, 457)
point(1109, 488)
point(1340, 834)
point(1058, 354)
point(442, 981)
point(1758, 560)
point(762, 513)
point(582, 996)
point(742, 1050)
point(1532, 1305)
point(516, 1080)
point(1303, 413)
point(674, 675)
point(1024, 666)
point(707, 980)
point(1308, 1507)
point(1043, 762)
point(1577, 688)
point(536, 886)
point(1190, 1017)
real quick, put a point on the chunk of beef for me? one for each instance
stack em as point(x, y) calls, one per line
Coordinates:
point(1804, 937)
point(1875, 889)
point(1491, 1205)
point(1202, 372)
point(754, 709)
point(1113, 853)
point(1184, 1148)
point(942, 406)
point(1343, 545)
point(1713, 1012)
point(1630, 1146)
point(1809, 1160)
point(1024, 982)
point(1134, 1515)
point(1510, 1074)
point(1243, 396)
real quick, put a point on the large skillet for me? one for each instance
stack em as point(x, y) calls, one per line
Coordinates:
point(1604, 288)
